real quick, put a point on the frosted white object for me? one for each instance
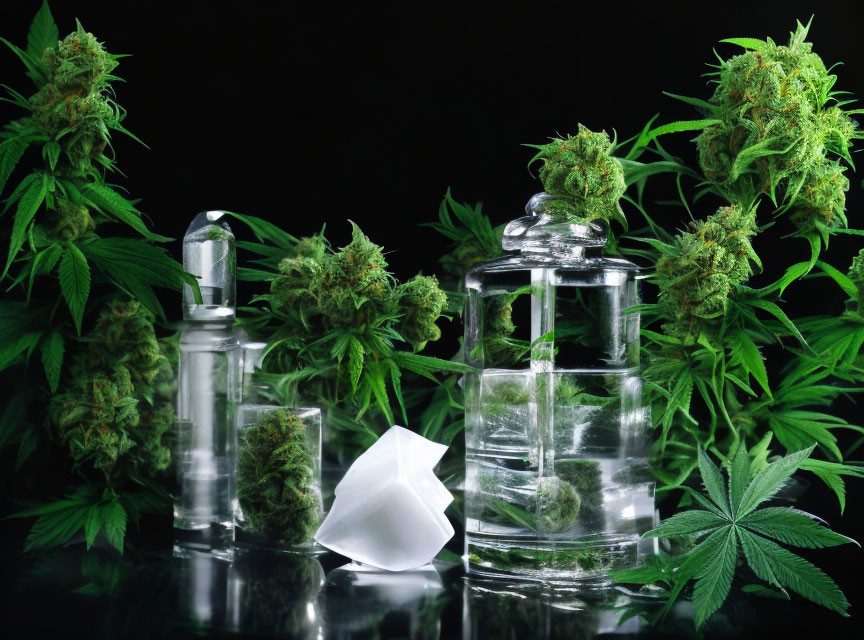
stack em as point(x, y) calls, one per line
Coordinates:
point(389, 507)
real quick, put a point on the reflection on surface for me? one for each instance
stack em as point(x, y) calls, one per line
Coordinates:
point(281, 594)
point(160, 595)
point(267, 593)
point(362, 601)
point(510, 609)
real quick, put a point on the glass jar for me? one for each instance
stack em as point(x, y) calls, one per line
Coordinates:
point(557, 477)
point(278, 477)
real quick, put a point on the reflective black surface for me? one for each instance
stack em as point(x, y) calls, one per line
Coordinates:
point(184, 592)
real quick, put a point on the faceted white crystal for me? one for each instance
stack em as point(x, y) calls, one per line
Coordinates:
point(389, 507)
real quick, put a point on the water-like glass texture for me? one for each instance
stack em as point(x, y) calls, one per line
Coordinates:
point(557, 477)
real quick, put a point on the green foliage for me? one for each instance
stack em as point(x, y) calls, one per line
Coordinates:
point(60, 205)
point(335, 321)
point(83, 509)
point(731, 524)
point(90, 417)
point(473, 237)
point(275, 481)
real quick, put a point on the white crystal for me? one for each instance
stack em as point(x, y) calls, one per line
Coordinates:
point(389, 507)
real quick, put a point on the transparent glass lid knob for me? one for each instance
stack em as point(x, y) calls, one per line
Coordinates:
point(209, 254)
point(548, 230)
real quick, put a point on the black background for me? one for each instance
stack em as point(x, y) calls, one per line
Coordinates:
point(314, 113)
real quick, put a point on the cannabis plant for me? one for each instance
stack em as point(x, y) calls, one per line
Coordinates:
point(82, 299)
point(733, 523)
point(341, 331)
point(771, 147)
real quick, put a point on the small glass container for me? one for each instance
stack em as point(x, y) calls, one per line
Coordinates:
point(558, 484)
point(278, 477)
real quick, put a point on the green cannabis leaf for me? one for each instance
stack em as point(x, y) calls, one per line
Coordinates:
point(82, 509)
point(730, 524)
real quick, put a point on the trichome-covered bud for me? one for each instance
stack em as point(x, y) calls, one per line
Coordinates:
point(697, 274)
point(296, 272)
point(822, 197)
point(110, 411)
point(74, 100)
point(776, 126)
point(352, 288)
point(582, 169)
point(421, 302)
point(558, 505)
point(69, 220)
point(275, 479)
point(351, 279)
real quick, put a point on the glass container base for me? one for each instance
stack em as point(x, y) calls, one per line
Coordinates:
point(215, 538)
point(251, 541)
point(587, 560)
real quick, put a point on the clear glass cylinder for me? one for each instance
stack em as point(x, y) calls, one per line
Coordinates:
point(557, 477)
point(279, 503)
point(209, 387)
point(206, 441)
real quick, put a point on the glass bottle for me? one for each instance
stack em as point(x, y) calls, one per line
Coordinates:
point(209, 385)
point(279, 502)
point(557, 477)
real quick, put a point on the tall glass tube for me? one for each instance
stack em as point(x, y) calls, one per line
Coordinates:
point(210, 378)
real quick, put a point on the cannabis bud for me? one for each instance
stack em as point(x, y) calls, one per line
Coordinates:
point(275, 479)
point(582, 169)
point(776, 130)
point(110, 411)
point(352, 288)
point(856, 274)
point(558, 505)
point(822, 198)
point(706, 264)
point(356, 272)
point(421, 301)
point(296, 272)
point(73, 104)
